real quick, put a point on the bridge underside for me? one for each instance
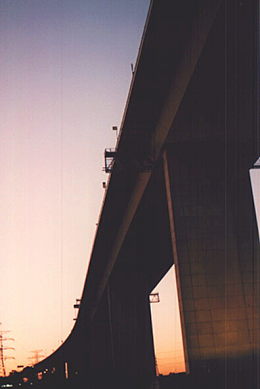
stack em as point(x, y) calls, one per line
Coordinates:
point(197, 210)
point(180, 193)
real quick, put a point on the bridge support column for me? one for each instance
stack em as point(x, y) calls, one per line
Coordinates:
point(215, 239)
point(121, 353)
point(213, 143)
point(131, 329)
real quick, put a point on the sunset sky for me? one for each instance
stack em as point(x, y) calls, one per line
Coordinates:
point(65, 72)
point(64, 77)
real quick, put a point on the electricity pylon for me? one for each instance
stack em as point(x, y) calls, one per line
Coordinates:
point(36, 357)
point(2, 349)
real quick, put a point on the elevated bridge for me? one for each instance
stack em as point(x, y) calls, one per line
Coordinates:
point(179, 192)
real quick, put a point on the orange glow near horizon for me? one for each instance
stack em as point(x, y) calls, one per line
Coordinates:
point(167, 328)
